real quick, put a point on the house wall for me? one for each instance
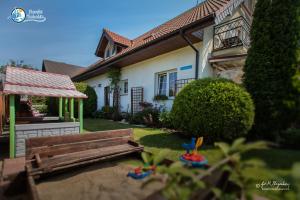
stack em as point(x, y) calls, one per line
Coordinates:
point(143, 74)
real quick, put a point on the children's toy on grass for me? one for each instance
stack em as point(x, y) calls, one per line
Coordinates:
point(192, 157)
point(141, 172)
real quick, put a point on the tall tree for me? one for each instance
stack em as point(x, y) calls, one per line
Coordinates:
point(271, 65)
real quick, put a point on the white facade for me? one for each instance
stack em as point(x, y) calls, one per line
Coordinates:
point(146, 73)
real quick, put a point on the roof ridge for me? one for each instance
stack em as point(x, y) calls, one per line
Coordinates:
point(178, 16)
point(62, 63)
point(33, 70)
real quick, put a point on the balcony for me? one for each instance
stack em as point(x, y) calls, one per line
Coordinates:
point(231, 34)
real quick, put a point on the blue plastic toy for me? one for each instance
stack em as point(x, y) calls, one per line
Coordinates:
point(191, 146)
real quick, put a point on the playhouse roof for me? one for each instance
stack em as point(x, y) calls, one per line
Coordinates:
point(36, 83)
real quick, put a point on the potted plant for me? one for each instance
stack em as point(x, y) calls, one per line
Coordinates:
point(160, 97)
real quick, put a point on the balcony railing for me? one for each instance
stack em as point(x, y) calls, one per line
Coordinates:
point(231, 34)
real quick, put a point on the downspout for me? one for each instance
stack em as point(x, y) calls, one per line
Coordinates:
point(196, 51)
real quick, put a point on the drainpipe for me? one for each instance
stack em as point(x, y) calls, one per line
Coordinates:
point(196, 51)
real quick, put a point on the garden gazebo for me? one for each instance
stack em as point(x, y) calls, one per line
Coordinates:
point(19, 81)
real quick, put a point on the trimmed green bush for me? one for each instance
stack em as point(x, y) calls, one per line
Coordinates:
point(89, 104)
point(217, 109)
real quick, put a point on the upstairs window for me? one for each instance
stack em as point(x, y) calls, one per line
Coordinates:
point(110, 50)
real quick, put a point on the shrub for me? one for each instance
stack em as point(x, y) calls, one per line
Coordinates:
point(37, 100)
point(148, 116)
point(145, 104)
point(89, 104)
point(107, 112)
point(41, 108)
point(98, 114)
point(214, 108)
point(165, 119)
point(290, 138)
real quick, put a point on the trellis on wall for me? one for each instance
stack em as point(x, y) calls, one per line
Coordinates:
point(181, 83)
point(137, 96)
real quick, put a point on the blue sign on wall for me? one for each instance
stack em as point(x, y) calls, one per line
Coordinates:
point(186, 67)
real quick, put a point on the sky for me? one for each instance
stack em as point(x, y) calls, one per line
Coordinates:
point(72, 28)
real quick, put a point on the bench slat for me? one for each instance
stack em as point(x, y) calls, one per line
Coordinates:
point(77, 147)
point(65, 139)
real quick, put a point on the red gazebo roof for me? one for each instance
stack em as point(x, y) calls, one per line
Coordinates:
point(37, 83)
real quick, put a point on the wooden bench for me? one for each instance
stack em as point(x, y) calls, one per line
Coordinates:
point(48, 154)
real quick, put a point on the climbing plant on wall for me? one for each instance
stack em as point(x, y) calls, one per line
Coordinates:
point(114, 76)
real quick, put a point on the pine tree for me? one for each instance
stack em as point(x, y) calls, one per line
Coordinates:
point(271, 65)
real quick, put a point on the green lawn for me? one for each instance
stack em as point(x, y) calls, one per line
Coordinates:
point(278, 161)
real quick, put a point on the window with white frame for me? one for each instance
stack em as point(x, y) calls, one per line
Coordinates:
point(124, 87)
point(110, 50)
point(172, 83)
point(166, 83)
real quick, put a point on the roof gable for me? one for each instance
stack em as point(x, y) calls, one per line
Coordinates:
point(107, 36)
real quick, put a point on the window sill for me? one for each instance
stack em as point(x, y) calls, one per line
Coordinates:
point(124, 94)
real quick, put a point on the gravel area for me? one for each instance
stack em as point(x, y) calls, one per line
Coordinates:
point(106, 181)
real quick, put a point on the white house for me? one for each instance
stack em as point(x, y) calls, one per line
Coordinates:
point(210, 39)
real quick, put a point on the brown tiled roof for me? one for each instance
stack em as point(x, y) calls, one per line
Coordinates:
point(118, 38)
point(37, 83)
point(192, 15)
point(62, 68)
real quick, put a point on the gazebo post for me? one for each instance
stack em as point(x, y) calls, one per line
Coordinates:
point(72, 109)
point(80, 114)
point(12, 120)
point(66, 115)
point(60, 107)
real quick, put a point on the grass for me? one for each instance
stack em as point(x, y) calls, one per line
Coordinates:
point(278, 162)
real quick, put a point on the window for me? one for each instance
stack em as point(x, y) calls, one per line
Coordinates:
point(110, 50)
point(166, 83)
point(172, 83)
point(124, 87)
point(162, 84)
